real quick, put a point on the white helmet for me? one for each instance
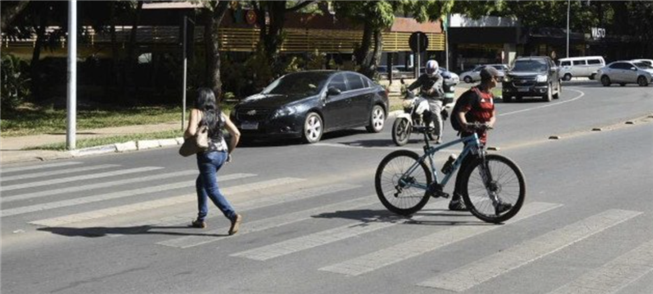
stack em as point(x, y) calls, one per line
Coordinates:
point(431, 68)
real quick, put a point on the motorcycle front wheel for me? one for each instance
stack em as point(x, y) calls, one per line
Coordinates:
point(401, 131)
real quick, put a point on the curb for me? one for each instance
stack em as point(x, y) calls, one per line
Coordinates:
point(127, 147)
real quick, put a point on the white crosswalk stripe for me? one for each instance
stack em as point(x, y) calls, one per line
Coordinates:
point(245, 205)
point(79, 178)
point(147, 205)
point(320, 238)
point(615, 275)
point(517, 256)
point(416, 247)
point(117, 183)
point(110, 196)
point(57, 172)
point(268, 223)
point(41, 166)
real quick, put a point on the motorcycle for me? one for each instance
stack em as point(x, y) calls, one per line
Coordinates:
point(414, 109)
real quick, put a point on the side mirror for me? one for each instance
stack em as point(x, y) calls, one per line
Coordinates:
point(333, 91)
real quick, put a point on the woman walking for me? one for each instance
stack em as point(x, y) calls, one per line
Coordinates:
point(207, 112)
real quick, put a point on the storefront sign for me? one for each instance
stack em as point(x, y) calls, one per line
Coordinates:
point(250, 17)
point(598, 33)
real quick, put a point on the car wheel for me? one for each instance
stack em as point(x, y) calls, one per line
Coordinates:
point(468, 79)
point(642, 82)
point(549, 95)
point(567, 77)
point(592, 76)
point(313, 128)
point(377, 119)
point(605, 80)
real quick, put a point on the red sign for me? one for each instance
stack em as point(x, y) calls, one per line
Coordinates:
point(250, 17)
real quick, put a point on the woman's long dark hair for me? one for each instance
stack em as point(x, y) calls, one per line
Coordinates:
point(207, 103)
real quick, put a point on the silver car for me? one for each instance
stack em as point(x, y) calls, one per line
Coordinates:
point(626, 72)
point(475, 74)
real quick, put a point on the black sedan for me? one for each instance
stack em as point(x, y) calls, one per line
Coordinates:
point(308, 104)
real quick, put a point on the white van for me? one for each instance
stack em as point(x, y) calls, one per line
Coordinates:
point(580, 67)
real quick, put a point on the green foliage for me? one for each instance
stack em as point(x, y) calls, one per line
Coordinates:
point(14, 88)
point(316, 60)
point(377, 14)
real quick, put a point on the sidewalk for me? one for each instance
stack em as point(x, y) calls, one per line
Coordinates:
point(11, 147)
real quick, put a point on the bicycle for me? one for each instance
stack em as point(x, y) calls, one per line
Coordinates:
point(404, 182)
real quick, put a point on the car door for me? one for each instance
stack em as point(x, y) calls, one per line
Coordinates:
point(579, 68)
point(620, 72)
point(361, 99)
point(629, 73)
point(335, 107)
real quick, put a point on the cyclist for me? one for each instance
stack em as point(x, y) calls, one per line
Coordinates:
point(476, 105)
point(431, 88)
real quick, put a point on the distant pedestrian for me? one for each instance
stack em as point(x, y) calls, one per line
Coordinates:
point(207, 112)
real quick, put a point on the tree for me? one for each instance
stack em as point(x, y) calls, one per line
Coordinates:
point(375, 17)
point(10, 10)
point(271, 33)
point(213, 12)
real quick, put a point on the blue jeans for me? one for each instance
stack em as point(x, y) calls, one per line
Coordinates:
point(209, 164)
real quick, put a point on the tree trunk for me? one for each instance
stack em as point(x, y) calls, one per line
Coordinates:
point(129, 62)
point(36, 54)
point(213, 55)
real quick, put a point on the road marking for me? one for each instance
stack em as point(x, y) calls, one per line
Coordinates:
point(110, 196)
point(413, 248)
point(320, 238)
point(614, 275)
point(79, 178)
point(98, 185)
point(502, 262)
point(31, 167)
point(546, 105)
point(118, 210)
point(268, 223)
point(57, 172)
point(346, 145)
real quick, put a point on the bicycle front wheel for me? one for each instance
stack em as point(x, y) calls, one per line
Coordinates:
point(502, 179)
point(396, 189)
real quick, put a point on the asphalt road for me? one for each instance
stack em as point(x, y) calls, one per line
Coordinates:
point(313, 224)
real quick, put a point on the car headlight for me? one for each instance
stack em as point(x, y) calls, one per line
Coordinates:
point(506, 79)
point(283, 111)
point(541, 78)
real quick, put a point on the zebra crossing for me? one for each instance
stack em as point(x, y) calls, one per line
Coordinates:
point(626, 268)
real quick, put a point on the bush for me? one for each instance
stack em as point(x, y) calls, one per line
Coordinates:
point(15, 86)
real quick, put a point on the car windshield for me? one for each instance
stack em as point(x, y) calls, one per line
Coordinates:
point(304, 84)
point(643, 65)
point(529, 65)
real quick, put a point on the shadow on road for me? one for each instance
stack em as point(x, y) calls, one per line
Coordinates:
point(372, 216)
point(95, 232)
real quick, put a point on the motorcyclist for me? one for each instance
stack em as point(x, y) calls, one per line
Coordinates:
point(431, 88)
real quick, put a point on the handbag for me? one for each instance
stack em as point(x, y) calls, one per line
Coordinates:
point(197, 143)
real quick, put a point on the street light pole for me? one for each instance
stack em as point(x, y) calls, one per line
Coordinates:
point(568, 8)
point(71, 112)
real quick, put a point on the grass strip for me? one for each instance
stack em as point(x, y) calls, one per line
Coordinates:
point(85, 143)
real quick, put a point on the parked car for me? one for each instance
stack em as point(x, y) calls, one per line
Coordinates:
point(475, 74)
point(626, 72)
point(532, 76)
point(586, 66)
point(310, 103)
point(647, 61)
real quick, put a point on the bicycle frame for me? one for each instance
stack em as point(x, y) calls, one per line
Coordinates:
point(472, 146)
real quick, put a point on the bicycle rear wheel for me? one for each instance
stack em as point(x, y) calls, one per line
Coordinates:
point(506, 182)
point(396, 195)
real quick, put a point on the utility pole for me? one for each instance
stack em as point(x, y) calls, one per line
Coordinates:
point(71, 115)
point(568, 8)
